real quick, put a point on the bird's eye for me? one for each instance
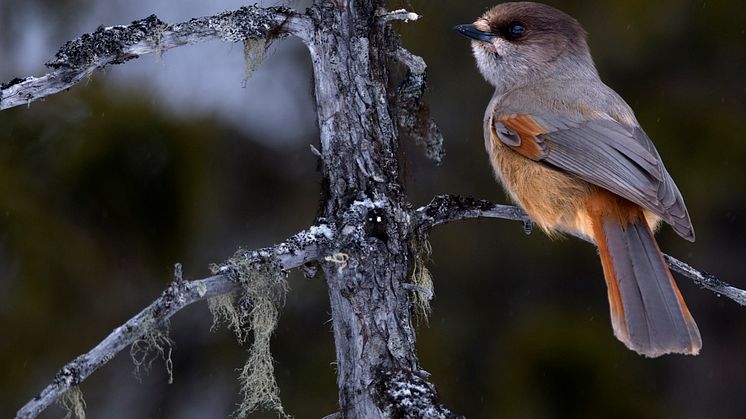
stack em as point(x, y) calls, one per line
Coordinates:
point(516, 30)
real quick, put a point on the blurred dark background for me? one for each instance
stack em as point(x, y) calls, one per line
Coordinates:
point(178, 159)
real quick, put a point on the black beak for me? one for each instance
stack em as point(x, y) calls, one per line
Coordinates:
point(470, 31)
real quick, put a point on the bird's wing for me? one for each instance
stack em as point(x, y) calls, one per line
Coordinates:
point(598, 149)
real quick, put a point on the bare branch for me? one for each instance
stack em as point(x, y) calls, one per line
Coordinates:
point(79, 58)
point(446, 208)
point(707, 280)
point(297, 250)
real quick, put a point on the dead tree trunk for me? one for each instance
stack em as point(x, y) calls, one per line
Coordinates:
point(367, 247)
point(365, 201)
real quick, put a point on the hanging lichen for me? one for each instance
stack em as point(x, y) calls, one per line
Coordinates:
point(73, 403)
point(423, 289)
point(258, 384)
point(253, 55)
point(255, 311)
point(226, 311)
point(154, 343)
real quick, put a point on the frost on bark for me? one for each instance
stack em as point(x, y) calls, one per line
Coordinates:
point(368, 240)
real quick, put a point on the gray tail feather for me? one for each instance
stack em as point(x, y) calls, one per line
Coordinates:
point(655, 319)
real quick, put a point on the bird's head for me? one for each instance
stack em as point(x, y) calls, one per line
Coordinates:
point(515, 43)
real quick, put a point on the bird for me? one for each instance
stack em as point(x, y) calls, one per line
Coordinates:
point(570, 152)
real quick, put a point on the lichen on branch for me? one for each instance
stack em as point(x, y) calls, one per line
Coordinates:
point(254, 310)
point(154, 343)
point(79, 58)
point(108, 42)
point(423, 289)
point(73, 403)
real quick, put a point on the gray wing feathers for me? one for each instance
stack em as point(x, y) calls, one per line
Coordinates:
point(607, 154)
point(600, 164)
point(623, 160)
point(606, 149)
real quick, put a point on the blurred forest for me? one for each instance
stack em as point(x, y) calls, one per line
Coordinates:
point(178, 159)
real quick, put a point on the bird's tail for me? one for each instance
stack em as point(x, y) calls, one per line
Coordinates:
point(648, 313)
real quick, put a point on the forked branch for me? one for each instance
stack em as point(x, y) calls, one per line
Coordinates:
point(294, 252)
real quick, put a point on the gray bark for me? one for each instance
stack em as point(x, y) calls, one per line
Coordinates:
point(364, 200)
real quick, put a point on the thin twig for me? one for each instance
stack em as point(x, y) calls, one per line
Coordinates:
point(707, 280)
point(294, 252)
point(79, 58)
point(446, 208)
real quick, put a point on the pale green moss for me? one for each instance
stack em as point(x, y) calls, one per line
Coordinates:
point(256, 311)
point(225, 311)
point(154, 343)
point(340, 259)
point(423, 281)
point(73, 403)
point(258, 384)
point(253, 55)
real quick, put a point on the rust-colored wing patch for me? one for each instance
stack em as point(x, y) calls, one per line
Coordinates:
point(526, 129)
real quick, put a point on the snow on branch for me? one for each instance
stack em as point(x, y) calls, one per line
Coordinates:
point(408, 394)
point(399, 14)
point(79, 58)
point(299, 249)
point(446, 208)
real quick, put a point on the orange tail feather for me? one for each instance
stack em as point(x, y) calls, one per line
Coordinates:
point(648, 313)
